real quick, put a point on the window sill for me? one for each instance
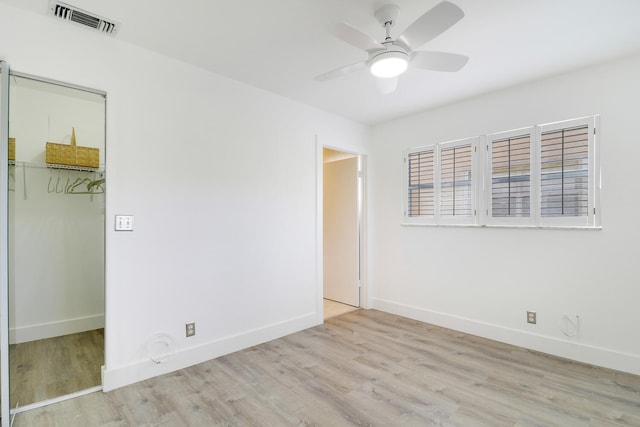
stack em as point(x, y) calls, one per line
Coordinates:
point(530, 227)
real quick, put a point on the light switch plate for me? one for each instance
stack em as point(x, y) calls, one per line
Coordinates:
point(124, 222)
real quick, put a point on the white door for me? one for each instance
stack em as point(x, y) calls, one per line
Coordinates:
point(341, 232)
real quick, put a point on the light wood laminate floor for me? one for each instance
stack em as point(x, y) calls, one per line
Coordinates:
point(44, 369)
point(335, 308)
point(366, 368)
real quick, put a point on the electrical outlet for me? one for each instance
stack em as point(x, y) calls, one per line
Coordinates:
point(190, 329)
point(531, 317)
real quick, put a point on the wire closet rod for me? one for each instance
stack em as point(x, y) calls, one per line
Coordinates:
point(55, 166)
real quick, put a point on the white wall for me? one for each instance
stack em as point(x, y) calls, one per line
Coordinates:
point(221, 178)
point(482, 280)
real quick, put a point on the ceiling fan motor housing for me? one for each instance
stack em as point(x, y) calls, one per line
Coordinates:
point(387, 15)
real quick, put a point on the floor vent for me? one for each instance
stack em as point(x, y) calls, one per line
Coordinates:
point(82, 17)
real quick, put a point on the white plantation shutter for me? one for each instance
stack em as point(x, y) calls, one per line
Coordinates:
point(564, 185)
point(456, 185)
point(421, 191)
point(455, 181)
point(567, 187)
point(439, 183)
point(544, 176)
point(509, 172)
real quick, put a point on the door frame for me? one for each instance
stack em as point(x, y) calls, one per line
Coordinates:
point(364, 299)
point(6, 413)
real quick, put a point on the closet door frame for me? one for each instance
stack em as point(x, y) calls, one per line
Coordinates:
point(6, 73)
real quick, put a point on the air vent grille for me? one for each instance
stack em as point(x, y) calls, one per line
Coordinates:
point(82, 17)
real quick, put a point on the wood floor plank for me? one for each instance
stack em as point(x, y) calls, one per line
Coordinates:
point(366, 368)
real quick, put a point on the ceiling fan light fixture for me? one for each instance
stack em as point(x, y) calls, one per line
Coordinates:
point(389, 64)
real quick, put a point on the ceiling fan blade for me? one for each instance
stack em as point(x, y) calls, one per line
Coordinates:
point(387, 85)
point(355, 37)
point(342, 71)
point(438, 61)
point(434, 22)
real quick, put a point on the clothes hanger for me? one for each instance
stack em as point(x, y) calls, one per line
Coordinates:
point(51, 189)
point(71, 189)
point(12, 177)
point(97, 184)
point(92, 187)
point(58, 189)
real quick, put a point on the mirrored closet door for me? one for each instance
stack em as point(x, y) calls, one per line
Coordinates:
point(56, 201)
point(4, 246)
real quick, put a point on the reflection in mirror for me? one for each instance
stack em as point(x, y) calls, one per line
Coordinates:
point(56, 240)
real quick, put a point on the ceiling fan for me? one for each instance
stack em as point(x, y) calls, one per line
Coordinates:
point(390, 58)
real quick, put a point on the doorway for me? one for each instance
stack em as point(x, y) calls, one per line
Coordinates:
point(53, 335)
point(342, 222)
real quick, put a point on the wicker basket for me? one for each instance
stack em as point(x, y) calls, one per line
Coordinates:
point(72, 155)
point(12, 148)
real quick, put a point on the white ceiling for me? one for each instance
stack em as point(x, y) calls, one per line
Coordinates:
point(280, 45)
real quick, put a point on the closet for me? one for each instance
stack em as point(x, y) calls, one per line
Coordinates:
point(55, 217)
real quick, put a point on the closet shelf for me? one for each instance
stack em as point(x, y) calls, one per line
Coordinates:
point(54, 166)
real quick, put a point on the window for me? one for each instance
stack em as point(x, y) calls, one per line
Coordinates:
point(455, 187)
point(455, 181)
point(509, 160)
point(545, 175)
point(564, 178)
point(568, 173)
point(439, 181)
point(421, 184)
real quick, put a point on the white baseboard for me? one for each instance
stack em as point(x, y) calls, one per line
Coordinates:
point(571, 350)
point(115, 377)
point(55, 329)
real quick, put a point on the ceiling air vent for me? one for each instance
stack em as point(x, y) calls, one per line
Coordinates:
point(82, 17)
